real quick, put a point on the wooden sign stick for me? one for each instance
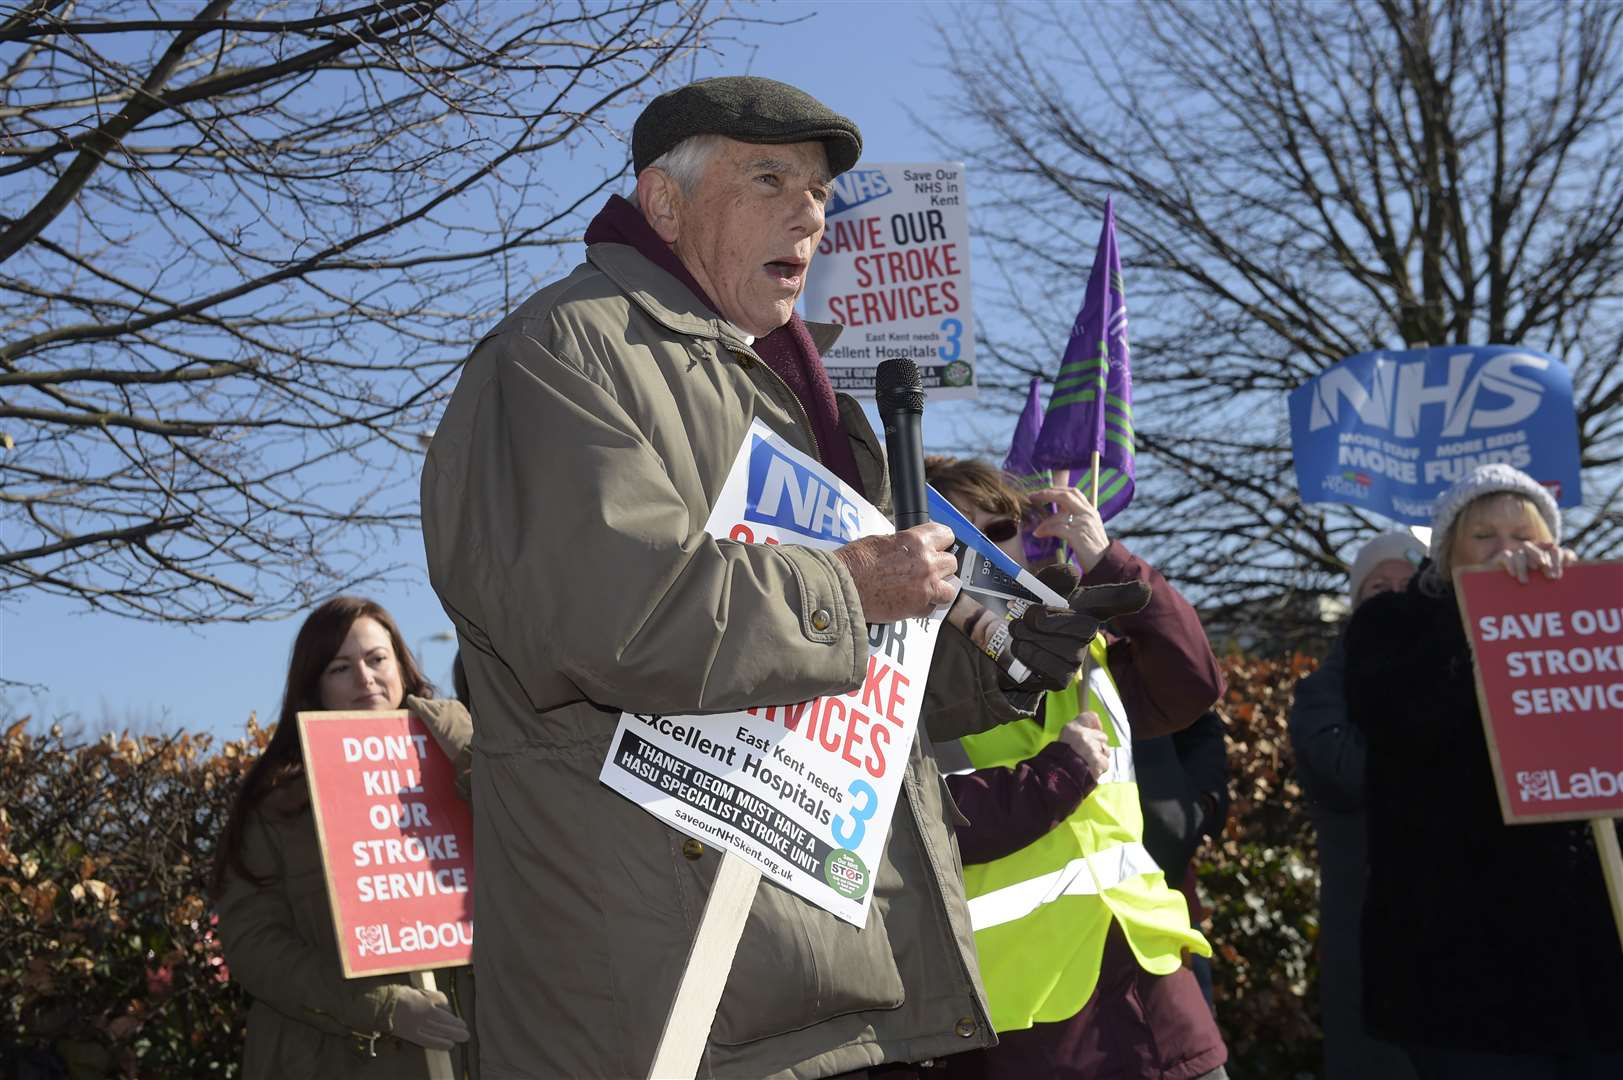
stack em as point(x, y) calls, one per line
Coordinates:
point(710, 960)
point(1611, 866)
point(439, 1061)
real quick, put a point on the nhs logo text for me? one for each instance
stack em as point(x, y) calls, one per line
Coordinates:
point(790, 496)
point(1503, 391)
point(853, 188)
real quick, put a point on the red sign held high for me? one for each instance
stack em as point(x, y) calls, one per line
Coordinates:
point(1549, 669)
point(396, 841)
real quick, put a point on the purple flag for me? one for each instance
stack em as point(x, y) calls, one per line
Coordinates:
point(1091, 408)
point(1019, 465)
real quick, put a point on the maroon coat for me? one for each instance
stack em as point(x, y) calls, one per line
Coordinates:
point(1137, 1026)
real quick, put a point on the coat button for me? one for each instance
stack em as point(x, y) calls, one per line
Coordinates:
point(692, 848)
point(821, 619)
point(965, 1027)
point(745, 360)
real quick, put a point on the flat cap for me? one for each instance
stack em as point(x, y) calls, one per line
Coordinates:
point(749, 109)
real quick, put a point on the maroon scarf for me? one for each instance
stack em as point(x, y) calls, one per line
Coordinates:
point(789, 350)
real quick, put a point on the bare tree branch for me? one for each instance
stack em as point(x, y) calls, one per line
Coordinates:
point(1294, 183)
point(244, 253)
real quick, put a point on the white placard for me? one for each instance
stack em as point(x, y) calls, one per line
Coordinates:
point(804, 792)
point(893, 269)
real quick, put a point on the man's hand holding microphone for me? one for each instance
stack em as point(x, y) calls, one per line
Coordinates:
point(903, 576)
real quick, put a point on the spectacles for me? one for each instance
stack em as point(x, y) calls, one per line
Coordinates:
point(1002, 529)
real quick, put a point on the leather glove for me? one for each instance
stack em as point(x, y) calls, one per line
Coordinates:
point(420, 1017)
point(1053, 644)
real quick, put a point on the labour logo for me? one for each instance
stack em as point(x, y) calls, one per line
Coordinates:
point(371, 940)
point(1537, 785)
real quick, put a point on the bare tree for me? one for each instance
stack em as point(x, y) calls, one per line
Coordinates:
point(243, 252)
point(1296, 182)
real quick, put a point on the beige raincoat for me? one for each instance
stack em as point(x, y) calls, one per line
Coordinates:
point(564, 503)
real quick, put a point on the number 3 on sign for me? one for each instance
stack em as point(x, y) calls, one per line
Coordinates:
point(860, 813)
point(954, 329)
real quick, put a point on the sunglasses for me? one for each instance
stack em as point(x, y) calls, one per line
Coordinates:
point(1002, 529)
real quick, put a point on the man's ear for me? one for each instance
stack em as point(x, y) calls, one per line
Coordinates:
point(661, 200)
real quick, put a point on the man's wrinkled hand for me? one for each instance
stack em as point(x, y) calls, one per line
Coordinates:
point(905, 576)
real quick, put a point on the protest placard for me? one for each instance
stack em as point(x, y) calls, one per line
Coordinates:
point(396, 841)
point(1390, 431)
point(804, 792)
point(893, 269)
point(1549, 677)
point(1549, 670)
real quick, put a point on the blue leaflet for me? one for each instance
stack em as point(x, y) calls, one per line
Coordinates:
point(1011, 582)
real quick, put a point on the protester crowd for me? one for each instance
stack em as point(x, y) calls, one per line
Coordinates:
point(1036, 913)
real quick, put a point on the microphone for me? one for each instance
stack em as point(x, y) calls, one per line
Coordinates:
point(900, 395)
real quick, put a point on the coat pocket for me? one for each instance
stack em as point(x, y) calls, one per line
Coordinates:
point(798, 966)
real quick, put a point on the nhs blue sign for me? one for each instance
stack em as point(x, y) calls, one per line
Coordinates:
point(785, 494)
point(1390, 431)
point(854, 187)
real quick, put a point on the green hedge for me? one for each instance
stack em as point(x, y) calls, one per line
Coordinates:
point(1262, 882)
point(108, 964)
point(109, 967)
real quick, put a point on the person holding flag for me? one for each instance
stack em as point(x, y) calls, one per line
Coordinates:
point(1080, 938)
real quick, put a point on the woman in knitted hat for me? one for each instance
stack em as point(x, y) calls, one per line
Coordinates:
point(1489, 951)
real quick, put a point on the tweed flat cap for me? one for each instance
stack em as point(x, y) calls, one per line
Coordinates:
point(746, 108)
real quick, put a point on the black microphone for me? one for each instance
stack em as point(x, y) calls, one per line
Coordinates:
point(900, 396)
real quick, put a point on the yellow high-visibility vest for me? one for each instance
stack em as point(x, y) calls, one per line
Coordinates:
point(1041, 914)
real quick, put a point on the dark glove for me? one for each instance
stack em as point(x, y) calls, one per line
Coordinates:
point(1052, 643)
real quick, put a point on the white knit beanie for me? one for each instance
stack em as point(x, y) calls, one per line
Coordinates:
point(1401, 546)
point(1487, 480)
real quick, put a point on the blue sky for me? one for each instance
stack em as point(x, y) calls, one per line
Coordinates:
point(871, 61)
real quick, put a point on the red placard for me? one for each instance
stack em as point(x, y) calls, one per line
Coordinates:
point(396, 841)
point(1549, 675)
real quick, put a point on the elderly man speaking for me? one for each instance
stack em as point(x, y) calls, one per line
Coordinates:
point(564, 502)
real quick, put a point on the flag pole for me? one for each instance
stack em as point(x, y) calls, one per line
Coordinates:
point(1094, 496)
point(1062, 479)
point(1611, 865)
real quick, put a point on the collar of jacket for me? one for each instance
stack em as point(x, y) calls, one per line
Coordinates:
point(672, 304)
